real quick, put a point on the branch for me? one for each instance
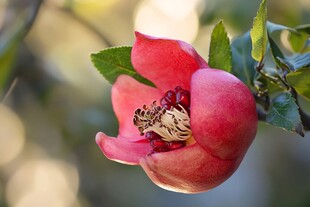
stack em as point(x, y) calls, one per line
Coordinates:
point(18, 20)
point(264, 101)
point(305, 119)
point(82, 21)
point(261, 114)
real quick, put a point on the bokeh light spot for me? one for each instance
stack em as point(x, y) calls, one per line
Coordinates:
point(162, 19)
point(46, 182)
point(12, 135)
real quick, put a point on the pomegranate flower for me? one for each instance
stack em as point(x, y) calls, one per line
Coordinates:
point(191, 132)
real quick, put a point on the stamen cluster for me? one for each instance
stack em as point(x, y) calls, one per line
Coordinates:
point(167, 127)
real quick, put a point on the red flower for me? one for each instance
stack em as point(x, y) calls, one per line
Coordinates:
point(203, 133)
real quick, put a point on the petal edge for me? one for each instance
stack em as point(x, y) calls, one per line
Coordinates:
point(121, 150)
point(127, 96)
point(188, 170)
point(167, 63)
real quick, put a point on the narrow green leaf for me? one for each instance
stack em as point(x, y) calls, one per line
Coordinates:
point(284, 113)
point(259, 33)
point(300, 81)
point(243, 65)
point(116, 61)
point(220, 51)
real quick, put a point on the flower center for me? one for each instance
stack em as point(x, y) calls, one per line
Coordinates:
point(167, 126)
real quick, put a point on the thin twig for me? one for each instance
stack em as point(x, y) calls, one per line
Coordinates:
point(262, 115)
point(85, 23)
point(11, 88)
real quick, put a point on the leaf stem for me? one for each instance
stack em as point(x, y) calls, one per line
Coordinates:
point(265, 102)
point(277, 80)
point(259, 68)
point(262, 114)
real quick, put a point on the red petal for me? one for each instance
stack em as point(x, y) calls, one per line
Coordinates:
point(188, 170)
point(223, 113)
point(122, 150)
point(167, 63)
point(127, 96)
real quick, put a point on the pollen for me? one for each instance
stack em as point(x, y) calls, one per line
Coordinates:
point(171, 125)
point(167, 126)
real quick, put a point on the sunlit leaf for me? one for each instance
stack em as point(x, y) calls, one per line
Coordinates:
point(115, 61)
point(259, 32)
point(284, 113)
point(299, 40)
point(220, 51)
point(243, 64)
point(300, 80)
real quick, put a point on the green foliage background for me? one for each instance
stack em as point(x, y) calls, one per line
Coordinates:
point(62, 102)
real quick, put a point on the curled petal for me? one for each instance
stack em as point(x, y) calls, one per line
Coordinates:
point(223, 113)
point(188, 170)
point(167, 63)
point(127, 96)
point(121, 150)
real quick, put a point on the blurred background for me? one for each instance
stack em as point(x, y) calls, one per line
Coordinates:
point(53, 102)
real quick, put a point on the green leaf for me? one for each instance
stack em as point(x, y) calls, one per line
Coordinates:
point(300, 81)
point(259, 33)
point(276, 52)
point(298, 36)
point(220, 51)
point(263, 84)
point(298, 61)
point(303, 28)
point(299, 39)
point(272, 28)
point(243, 65)
point(283, 63)
point(284, 113)
point(116, 61)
